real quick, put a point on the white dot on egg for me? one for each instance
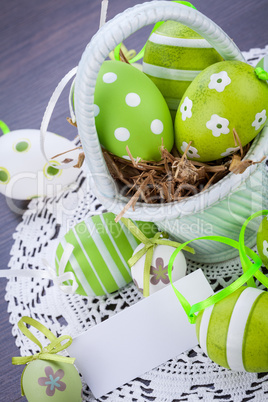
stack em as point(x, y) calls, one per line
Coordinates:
point(133, 99)
point(96, 110)
point(122, 134)
point(157, 126)
point(109, 78)
point(126, 157)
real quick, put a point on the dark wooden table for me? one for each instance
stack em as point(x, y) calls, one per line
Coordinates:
point(39, 42)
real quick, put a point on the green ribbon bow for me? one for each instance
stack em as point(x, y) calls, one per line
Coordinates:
point(261, 73)
point(148, 249)
point(157, 25)
point(46, 353)
point(249, 270)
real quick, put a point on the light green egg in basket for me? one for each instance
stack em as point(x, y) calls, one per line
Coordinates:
point(174, 56)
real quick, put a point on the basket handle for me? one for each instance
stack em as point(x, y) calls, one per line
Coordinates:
point(106, 39)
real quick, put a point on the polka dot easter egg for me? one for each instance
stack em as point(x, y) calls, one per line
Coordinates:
point(174, 56)
point(25, 173)
point(262, 241)
point(159, 268)
point(225, 96)
point(130, 111)
point(102, 248)
point(51, 381)
point(233, 332)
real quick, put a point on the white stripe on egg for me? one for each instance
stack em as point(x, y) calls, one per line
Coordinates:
point(180, 42)
point(108, 259)
point(237, 325)
point(203, 330)
point(170, 73)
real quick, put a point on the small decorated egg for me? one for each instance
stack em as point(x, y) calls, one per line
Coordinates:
point(102, 248)
point(25, 173)
point(263, 63)
point(131, 111)
point(234, 332)
point(225, 96)
point(45, 380)
point(158, 269)
point(262, 241)
point(174, 56)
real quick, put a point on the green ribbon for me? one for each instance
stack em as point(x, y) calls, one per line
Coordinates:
point(5, 129)
point(261, 73)
point(157, 25)
point(148, 249)
point(249, 270)
point(47, 353)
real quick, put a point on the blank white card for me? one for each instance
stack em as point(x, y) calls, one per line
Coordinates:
point(139, 338)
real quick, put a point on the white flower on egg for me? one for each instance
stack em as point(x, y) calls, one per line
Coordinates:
point(229, 151)
point(192, 151)
point(186, 108)
point(219, 81)
point(218, 125)
point(265, 248)
point(260, 119)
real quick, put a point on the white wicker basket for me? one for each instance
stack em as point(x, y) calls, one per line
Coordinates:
point(221, 209)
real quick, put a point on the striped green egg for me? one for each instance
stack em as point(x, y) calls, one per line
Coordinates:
point(234, 331)
point(174, 56)
point(262, 240)
point(102, 248)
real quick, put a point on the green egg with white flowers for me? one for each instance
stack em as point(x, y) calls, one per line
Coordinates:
point(227, 95)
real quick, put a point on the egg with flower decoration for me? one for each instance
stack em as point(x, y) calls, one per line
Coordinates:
point(51, 381)
point(158, 274)
point(226, 96)
point(262, 241)
point(234, 331)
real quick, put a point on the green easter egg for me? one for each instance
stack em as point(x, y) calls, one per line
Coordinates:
point(263, 63)
point(234, 331)
point(51, 381)
point(262, 241)
point(102, 248)
point(174, 56)
point(225, 96)
point(131, 111)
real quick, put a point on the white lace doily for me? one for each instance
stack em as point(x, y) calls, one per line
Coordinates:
point(188, 377)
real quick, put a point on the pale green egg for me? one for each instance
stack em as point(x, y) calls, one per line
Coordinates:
point(262, 241)
point(174, 56)
point(233, 332)
point(51, 381)
point(131, 111)
point(225, 96)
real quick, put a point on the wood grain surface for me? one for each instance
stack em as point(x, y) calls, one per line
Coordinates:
point(39, 42)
